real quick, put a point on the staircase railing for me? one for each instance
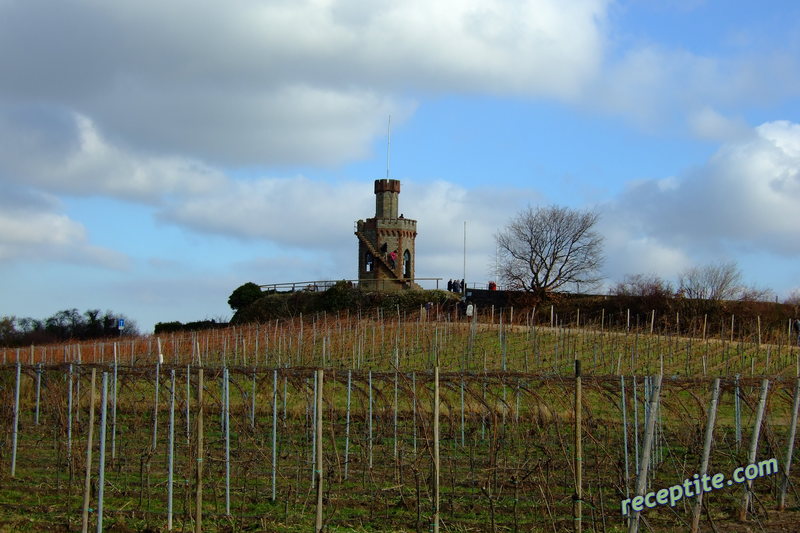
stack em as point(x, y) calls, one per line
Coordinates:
point(379, 256)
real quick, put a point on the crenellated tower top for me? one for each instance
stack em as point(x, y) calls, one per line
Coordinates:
point(386, 198)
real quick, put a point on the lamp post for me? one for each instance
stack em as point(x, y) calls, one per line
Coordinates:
point(464, 273)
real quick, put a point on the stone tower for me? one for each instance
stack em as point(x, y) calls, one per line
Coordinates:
point(379, 236)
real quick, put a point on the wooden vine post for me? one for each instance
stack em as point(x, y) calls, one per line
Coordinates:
point(748, 485)
point(318, 526)
point(578, 511)
point(787, 463)
point(641, 479)
point(16, 420)
point(102, 460)
point(198, 524)
point(436, 449)
point(87, 485)
point(709, 437)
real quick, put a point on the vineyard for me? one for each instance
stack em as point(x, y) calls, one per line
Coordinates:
point(394, 422)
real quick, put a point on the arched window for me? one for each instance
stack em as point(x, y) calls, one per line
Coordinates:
point(368, 262)
point(406, 264)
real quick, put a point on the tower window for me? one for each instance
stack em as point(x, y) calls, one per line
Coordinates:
point(406, 264)
point(369, 262)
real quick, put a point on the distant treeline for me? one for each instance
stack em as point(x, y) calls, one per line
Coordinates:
point(169, 327)
point(66, 325)
point(669, 314)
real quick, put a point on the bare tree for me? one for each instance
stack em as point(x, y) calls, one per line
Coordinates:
point(793, 298)
point(716, 281)
point(645, 285)
point(757, 294)
point(542, 249)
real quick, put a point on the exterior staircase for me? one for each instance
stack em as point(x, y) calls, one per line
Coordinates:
point(380, 259)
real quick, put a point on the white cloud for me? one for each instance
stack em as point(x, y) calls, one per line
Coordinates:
point(285, 82)
point(627, 253)
point(288, 124)
point(294, 212)
point(311, 82)
point(746, 197)
point(77, 159)
point(711, 125)
point(540, 45)
point(657, 86)
point(31, 231)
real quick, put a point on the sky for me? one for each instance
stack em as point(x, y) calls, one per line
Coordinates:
point(155, 156)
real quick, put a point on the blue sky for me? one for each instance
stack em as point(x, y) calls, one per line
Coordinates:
point(153, 158)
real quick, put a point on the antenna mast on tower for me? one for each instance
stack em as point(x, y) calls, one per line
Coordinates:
point(388, 144)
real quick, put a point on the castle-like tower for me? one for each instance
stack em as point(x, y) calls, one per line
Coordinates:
point(381, 235)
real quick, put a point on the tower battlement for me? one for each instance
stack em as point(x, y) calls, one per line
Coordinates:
point(386, 193)
point(386, 185)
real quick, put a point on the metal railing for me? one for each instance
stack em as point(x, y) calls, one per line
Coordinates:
point(323, 285)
